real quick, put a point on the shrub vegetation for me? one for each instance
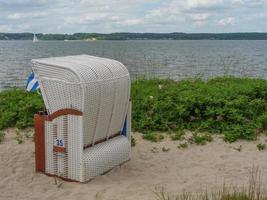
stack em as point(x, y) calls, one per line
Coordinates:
point(234, 107)
point(17, 108)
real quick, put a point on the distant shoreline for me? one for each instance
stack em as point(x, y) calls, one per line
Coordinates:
point(135, 36)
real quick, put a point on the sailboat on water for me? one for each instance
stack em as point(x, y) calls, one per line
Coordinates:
point(35, 39)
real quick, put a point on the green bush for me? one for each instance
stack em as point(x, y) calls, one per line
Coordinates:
point(262, 121)
point(17, 108)
point(235, 107)
point(2, 136)
point(238, 131)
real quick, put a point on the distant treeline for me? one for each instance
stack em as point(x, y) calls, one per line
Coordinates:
point(136, 36)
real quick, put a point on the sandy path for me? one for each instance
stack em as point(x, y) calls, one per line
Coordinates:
point(178, 169)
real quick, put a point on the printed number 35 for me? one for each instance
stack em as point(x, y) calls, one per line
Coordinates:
point(59, 142)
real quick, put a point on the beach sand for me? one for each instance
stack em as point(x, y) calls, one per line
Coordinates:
point(192, 169)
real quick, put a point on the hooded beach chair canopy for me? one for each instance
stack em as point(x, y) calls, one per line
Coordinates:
point(96, 139)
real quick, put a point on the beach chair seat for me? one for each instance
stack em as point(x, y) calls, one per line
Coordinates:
point(86, 129)
point(106, 155)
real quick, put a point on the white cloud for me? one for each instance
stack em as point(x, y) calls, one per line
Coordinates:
point(5, 28)
point(227, 21)
point(14, 16)
point(132, 15)
point(26, 15)
point(198, 4)
point(200, 16)
point(91, 17)
point(238, 2)
point(130, 22)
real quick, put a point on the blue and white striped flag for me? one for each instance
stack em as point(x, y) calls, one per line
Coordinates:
point(32, 83)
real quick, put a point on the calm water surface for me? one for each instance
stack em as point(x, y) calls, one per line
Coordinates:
point(165, 58)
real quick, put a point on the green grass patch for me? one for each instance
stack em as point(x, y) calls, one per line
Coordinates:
point(178, 135)
point(183, 145)
point(133, 141)
point(2, 136)
point(261, 146)
point(153, 137)
point(200, 138)
point(234, 107)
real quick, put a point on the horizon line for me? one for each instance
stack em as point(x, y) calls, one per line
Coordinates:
point(135, 33)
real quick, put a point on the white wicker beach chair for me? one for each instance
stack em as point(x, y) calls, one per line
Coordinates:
point(86, 130)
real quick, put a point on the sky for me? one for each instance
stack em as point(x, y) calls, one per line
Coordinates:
point(106, 16)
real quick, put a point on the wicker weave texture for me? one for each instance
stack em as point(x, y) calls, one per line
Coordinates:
point(100, 89)
point(65, 164)
point(49, 148)
point(104, 156)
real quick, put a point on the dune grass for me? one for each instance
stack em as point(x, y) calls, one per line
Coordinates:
point(254, 190)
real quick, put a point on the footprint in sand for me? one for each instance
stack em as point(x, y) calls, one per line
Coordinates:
point(224, 156)
point(99, 195)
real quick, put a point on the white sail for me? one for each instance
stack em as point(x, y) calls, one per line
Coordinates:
point(35, 39)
